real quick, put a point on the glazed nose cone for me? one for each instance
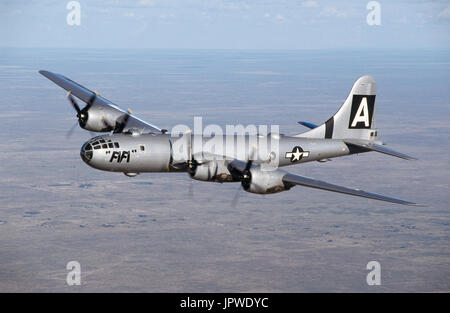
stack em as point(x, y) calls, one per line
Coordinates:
point(86, 152)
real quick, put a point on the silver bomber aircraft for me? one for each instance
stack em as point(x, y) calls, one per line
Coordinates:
point(133, 146)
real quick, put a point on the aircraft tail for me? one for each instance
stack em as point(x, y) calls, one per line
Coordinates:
point(356, 117)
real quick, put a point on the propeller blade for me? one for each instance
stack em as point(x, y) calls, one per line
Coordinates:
point(250, 159)
point(191, 190)
point(105, 123)
point(192, 163)
point(82, 114)
point(246, 175)
point(236, 197)
point(248, 165)
point(70, 132)
point(120, 126)
point(90, 102)
point(74, 103)
point(125, 120)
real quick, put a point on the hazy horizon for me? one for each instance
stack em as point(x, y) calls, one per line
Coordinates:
point(243, 24)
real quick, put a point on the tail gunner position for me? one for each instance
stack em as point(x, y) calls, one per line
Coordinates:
point(133, 146)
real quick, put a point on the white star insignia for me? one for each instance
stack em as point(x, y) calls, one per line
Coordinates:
point(296, 154)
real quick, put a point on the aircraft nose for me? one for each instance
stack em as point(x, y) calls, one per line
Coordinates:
point(86, 152)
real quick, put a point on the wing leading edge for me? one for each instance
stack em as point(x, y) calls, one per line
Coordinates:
point(292, 179)
point(85, 94)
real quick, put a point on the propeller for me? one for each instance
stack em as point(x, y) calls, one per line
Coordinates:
point(245, 177)
point(192, 163)
point(82, 114)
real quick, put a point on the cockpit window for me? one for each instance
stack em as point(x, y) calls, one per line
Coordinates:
point(100, 143)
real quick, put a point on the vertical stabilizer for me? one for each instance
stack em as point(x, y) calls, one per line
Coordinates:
point(356, 117)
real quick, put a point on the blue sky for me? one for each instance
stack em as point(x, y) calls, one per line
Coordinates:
point(229, 24)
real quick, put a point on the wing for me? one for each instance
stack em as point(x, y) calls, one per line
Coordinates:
point(292, 179)
point(85, 94)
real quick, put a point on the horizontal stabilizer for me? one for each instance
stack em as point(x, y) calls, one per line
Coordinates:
point(378, 148)
point(291, 179)
point(307, 124)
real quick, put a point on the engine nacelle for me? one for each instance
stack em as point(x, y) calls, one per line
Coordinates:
point(215, 171)
point(99, 119)
point(264, 181)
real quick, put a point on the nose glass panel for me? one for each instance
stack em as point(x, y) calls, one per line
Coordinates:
point(86, 152)
point(87, 147)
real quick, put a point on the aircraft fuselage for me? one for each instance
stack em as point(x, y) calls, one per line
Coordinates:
point(166, 153)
